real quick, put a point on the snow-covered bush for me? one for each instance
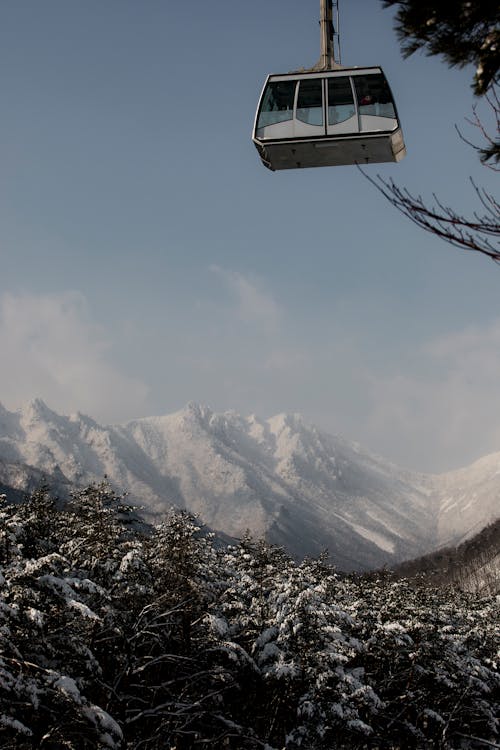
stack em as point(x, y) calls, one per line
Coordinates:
point(118, 635)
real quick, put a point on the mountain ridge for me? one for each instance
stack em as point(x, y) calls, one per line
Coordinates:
point(279, 478)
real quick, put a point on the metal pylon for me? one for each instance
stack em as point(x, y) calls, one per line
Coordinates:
point(329, 36)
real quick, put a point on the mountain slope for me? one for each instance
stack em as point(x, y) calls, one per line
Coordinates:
point(279, 478)
point(473, 566)
point(290, 482)
point(463, 493)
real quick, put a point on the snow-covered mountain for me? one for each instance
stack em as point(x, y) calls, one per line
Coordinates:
point(472, 566)
point(279, 478)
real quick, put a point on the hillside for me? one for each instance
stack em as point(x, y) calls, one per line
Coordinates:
point(472, 566)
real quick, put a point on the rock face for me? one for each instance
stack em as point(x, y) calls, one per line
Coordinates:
point(279, 478)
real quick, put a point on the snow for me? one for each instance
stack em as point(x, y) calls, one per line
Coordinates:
point(360, 726)
point(35, 616)
point(8, 721)
point(218, 625)
point(447, 504)
point(83, 609)
point(111, 734)
point(372, 536)
point(280, 478)
point(282, 670)
point(347, 653)
point(433, 715)
point(68, 686)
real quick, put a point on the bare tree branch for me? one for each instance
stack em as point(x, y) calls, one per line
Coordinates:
point(489, 154)
point(480, 234)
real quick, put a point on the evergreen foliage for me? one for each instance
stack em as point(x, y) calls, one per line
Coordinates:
point(463, 32)
point(115, 635)
point(473, 565)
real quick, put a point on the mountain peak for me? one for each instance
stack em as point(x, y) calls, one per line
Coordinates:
point(37, 409)
point(281, 478)
point(3, 411)
point(280, 422)
point(197, 412)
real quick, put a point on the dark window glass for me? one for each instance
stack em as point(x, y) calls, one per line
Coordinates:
point(310, 101)
point(340, 100)
point(374, 96)
point(277, 103)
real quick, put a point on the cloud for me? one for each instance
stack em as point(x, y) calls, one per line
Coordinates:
point(254, 304)
point(283, 360)
point(446, 411)
point(52, 349)
point(433, 407)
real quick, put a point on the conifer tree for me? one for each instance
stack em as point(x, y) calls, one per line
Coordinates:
point(119, 636)
point(462, 33)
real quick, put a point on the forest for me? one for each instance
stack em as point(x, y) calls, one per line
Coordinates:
point(119, 634)
point(473, 565)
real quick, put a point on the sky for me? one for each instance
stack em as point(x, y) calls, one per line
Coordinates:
point(148, 259)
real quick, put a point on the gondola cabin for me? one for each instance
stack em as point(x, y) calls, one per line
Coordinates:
point(327, 118)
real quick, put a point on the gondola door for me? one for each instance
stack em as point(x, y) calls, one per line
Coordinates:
point(309, 120)
point(342, 116)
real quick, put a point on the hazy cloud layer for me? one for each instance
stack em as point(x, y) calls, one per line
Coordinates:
point(51, 349)
point(254, 304)
point(435, 408)
point(446, 410)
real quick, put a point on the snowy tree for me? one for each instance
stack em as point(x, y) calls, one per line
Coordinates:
point(46, 665)
point(118, 635)
point(462, 32)
point(431, 654)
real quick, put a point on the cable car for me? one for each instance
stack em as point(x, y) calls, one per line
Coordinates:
point(327, 116)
